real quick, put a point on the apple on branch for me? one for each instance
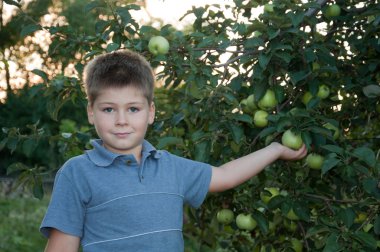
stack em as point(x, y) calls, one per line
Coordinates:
point(225, 216)
point(332, 11)
point(269, 193)
point(323, 91)
point(291, 139)
point(315, 161)
point(245, 222)
point(268, 101)
point(260, 118)
point(158, 45)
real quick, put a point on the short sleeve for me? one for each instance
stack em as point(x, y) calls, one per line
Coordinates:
point(66, 209)
point(196, 177)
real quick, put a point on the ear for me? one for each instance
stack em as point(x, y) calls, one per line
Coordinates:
point(152, 113)
point(90, 114)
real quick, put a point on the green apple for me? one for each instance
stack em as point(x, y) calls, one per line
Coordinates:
point(225, 216)
point(334, 128)
point(307, 96)
point(332, 11)
point(268, 101)
point(315, 161)
point(290, 225)
point(291, 215)
point(245, 222)
point(361, 217)
point(268, 7)
point(323, 91)
point(291, 140)
point(158, 45)
point(251, 103)
point(244, 106)
point(260, 118)
point(265, 197)
point(296, 245)
point(315, 66)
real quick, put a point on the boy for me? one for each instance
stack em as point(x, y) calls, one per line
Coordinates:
point(124, 195)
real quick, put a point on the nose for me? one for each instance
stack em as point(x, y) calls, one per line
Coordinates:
point(121, 118)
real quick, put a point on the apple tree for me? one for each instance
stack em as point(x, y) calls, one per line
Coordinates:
point(240, 77)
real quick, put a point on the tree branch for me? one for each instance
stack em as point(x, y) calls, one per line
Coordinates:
point(310, 12)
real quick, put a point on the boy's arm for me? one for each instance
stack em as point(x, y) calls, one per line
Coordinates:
point(61, 242)
point(240, 170)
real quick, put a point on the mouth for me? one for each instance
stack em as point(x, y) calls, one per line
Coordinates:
point(122, 134)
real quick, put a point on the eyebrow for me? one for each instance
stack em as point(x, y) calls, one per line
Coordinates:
point(112, 103)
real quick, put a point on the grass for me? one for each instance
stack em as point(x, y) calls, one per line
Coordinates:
point(20, 218)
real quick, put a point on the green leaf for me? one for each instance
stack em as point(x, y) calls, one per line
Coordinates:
point(101, 25)
point(332, 244)
point(333, 148)
point(287, 57)
point(301, 211)
point(370, 185)
point(376, 225)
point(92, 5)
point(42, 74)
point(29, 29)
point(237, 132)
point(329, 164)
point(296, 18)
point(347, 216)
point(112, 47)
point(371, 91)
point(317, 229)
point(38, 190)
point(253, 43)
point(3, 143)
point(296, 77)
point(168, 141)
point(177, 118)
point(262, 221)
point(28, 146)
point(366, 239)
point(272, 33)
point(242, 118)
point(12, 143)
point(16, 167)
point(276, 202)
point(264, 59)
point(202, 151)
point(124, 14)
point(365, 154)
point(267, 131)
point(309, 55)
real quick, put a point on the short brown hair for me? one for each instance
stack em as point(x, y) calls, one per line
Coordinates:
point(118, 69)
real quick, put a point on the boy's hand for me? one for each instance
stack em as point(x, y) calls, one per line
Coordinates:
point(240, 170)
point(290, 154)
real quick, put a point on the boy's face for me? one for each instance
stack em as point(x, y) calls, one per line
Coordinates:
point(121, 117)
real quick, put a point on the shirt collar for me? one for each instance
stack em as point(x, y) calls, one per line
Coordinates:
point(100, 156)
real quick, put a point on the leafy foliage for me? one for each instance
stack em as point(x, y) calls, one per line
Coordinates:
point(211, 68)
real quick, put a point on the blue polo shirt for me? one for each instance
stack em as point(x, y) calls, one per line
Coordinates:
point(115, 204)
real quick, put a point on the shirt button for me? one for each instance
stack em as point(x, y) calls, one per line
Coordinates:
point(128, 162)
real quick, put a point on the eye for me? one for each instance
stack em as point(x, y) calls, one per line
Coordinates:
point(108, 110)
point(133, 109)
